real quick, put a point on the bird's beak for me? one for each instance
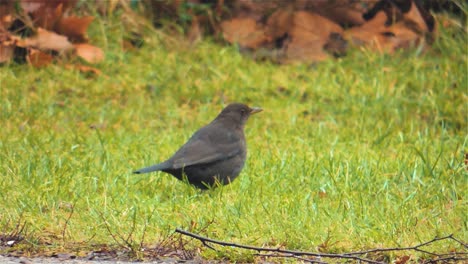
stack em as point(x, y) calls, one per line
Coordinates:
point(255, 110)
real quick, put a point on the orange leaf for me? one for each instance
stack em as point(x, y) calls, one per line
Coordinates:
point(74, 27)
point(84, 69)
point(402, 260)
point(38, 58)
point(322, 194)
point(89, 53)
point(309, 33)
point(46, 40)
point(279, 23)
point(5, 19)
point(244, 31)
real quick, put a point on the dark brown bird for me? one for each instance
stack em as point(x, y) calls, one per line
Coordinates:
point(214, 154)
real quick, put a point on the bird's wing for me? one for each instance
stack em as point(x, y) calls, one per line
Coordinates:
point(206, 146)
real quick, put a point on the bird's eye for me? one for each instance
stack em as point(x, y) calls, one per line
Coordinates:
point(243, 111)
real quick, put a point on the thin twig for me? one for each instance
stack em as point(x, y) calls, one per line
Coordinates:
point(67, 221)
point(278, 252)
point(416, 248)
point(445, 259)
point(293, 253)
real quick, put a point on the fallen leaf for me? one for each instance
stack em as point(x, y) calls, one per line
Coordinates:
point(279, 23)
point(127, 45)
point(415, 19)
point(407, 31)
point(345, 15)
point(322, 194)
point(343, 12)
point(5, 20)
point(39, 58)
point(336, 45)
point(309, 34)
point(47, 40)
point(376, 35)
point(243, 31)
point(315, 24)
point(89, 53)
point(402, 260)
point(74, 27)
point(84, 69)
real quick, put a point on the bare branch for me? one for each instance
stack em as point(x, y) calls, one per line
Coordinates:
point(415, 248)
point(278, 252)
point(290, 256)
point(293, 253)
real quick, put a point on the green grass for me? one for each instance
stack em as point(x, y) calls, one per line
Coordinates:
point(356, 153)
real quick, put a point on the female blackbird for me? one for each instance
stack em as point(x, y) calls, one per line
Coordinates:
point(214, 154)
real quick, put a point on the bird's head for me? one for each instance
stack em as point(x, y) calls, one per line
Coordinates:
point(238, 113)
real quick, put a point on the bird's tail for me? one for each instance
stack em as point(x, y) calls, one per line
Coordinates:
point(156, 167)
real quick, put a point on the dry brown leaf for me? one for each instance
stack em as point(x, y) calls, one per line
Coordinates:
point(47, 40)
point(419, 20)
point(343, 12)
point(127, 45)
point(74, 27)
point(402, 260)
point(367, 32)
point(309, 33)
point(255, 9)
point(317, 25)
point(89, 53)
point(243, 31)
point(83, 69)
point(376, 35)
point(346, 16)
point(322, 194)
point(39, 58)
point(279, 23)
point(87, 69)
point(5, 21)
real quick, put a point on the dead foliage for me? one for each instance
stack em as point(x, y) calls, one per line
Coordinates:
point(306, 31)
point(42, 31)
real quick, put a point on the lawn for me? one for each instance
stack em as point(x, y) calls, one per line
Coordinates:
point(361, 152)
